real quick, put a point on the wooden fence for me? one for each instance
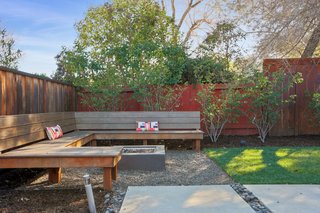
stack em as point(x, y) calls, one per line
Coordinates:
point(297, 118)
point(22, 93)
point(26, 93)
point(187, 102)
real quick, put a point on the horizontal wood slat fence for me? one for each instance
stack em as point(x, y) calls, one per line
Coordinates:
point(23, 93)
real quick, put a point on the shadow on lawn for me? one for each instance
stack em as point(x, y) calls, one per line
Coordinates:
point(269, 164)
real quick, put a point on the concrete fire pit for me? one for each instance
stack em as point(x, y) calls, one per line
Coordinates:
point(149, 157)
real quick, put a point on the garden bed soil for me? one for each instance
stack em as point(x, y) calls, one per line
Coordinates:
point(226, 142)
point(254, 141)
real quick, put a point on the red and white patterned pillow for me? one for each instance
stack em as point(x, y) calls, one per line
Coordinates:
point(142, 126)
point(154, 126)
point(147, 126)
point(54, 132)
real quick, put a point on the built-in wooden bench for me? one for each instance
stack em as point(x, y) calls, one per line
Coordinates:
point(24, 144)
point(122, 125)
point(37, 152)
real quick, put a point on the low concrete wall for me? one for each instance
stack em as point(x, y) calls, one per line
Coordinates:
point(143, 161)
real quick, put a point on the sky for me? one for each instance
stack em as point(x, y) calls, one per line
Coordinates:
point(41, 27)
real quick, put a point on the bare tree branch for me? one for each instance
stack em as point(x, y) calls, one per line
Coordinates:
point(190, 6)
point(313, 42)
point(173, 8)
point(297, 43)
point(195, 25)
point(163, 4)
point(283, 26)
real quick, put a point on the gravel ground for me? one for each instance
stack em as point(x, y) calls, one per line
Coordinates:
point(256, 204)
point(182, 168)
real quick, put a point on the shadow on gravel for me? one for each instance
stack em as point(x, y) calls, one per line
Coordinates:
point(13, 178)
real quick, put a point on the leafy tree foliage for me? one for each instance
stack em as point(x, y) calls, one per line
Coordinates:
point(126, 44)
point(61, 74)
point(223, 41)
point(315, 105)
point(8, 55)
point(218, 57)
point(206, 69)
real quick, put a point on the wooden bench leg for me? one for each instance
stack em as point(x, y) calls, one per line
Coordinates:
point(107, 179)
point(93, 143)
point(196, 145)
point(115, 172)
point(145, 142)
point(55, 175)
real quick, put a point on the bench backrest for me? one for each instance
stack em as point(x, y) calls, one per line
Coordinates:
point(127, 120)
point(18, 130)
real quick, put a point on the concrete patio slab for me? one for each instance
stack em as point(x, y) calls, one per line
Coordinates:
point(288, 198)
point(205, 198)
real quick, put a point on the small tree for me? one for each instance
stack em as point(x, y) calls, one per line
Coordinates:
point(265, 96)
point(218, 109)
point(315, 105)
point(159, 97)
point(8, 55)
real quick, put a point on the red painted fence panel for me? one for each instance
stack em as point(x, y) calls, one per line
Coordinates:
point(295, 118)
point(188, 103)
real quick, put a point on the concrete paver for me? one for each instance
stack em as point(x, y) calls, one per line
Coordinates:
point(204, 198)
point(288, 198)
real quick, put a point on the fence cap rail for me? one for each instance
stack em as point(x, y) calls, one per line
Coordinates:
point(6, 69)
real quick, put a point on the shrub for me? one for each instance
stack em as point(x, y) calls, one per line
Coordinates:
point(264, 95)
point(315, 105)
point(218, 109)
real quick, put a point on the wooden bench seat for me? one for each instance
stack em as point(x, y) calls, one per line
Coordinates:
point(23, 144)
point(66, 157)
point(122, 125)
point(72, 139)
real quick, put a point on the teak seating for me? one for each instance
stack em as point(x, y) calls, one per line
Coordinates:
point(122, 125)
point(37, 152)
point(24, 144)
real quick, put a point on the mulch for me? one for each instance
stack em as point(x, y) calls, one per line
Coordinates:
point(254, 141)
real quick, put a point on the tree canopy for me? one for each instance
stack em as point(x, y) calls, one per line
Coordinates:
point(284, 28)
point(109, 54)
point(9, 56)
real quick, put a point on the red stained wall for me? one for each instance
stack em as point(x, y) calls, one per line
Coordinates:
point(188, 103)
point(297, 118)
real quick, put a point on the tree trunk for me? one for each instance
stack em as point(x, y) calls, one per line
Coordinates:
point(312, 43)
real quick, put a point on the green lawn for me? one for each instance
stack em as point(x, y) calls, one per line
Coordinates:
point(269, 164)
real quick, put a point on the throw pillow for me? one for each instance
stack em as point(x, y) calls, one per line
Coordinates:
point(54, 132)
point(154, 126)
point(141, 126)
